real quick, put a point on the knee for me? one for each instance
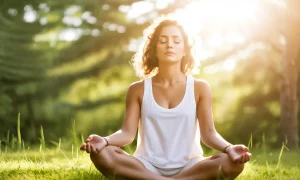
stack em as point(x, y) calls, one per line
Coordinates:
point(104, 160)
point(230, 168)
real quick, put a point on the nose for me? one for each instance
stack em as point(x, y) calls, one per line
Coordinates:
point(170, 44)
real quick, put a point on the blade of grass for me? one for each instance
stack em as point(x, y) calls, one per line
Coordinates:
point(280, 154)
point(74, 134)
point(7, 141)
point(264, 143)
point(42, 140)
point(82, 138)
point(19, 134)
point(59, 144)
point(13, 139)
point(250, 142)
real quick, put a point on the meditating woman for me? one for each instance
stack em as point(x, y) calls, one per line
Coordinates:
point(171, 111)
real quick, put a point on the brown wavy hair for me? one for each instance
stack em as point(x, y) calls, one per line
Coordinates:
point(145, 61)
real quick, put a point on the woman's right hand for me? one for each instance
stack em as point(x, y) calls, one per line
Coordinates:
point(94, 144)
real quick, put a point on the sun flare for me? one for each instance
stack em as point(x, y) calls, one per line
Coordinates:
point(217, 13)
point(217, 22)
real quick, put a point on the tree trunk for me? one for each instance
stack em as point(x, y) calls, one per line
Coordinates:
point(288, 95)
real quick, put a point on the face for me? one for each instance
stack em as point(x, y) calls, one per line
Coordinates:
point(170, 45)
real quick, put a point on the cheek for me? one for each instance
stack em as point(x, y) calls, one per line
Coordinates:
point(181, 50)
point(159, 49)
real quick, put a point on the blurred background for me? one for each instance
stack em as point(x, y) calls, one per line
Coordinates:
point(64, 65)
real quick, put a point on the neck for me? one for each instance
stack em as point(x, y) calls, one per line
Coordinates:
point(170, 74)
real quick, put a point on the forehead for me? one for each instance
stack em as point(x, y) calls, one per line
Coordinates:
point(171, 30)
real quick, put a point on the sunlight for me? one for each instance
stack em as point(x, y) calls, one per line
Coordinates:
point(229, 64)
point(30, 15)
point(139, 8)
point(215, 23)
point(220, 19)
point(228, 12)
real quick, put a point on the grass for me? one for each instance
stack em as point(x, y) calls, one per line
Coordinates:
point(53, 164)
point(268, 165)
point(47, 164)
point(18, 162)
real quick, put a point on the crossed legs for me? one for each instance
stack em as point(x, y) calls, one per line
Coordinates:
point(114, 163)
point(218, 166)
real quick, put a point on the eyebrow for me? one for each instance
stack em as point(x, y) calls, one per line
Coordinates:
point(167, 36)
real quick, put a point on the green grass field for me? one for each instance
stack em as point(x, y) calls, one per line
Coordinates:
point(58, 164)
point(18, 161)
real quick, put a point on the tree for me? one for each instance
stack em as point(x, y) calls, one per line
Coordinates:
point(288, 95)
point(37, 69)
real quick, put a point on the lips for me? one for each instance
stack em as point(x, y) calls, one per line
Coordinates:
point(169, 53)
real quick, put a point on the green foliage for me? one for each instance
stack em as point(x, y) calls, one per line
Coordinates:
point(256, 111)
point(39, 66)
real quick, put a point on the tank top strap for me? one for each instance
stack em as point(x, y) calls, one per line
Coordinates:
point(190, 87)
point(147, 88)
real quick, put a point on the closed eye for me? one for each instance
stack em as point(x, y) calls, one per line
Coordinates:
point(163, 40)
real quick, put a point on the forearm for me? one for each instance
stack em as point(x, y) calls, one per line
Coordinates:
point(215, 141)
point(119, 138)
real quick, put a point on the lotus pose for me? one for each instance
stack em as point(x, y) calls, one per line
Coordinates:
point(172, 112)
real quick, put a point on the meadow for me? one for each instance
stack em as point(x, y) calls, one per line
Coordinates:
point(74, 164)
point(64, 160)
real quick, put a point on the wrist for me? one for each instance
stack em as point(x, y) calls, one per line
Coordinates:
point(106, 141)
point(226, 148)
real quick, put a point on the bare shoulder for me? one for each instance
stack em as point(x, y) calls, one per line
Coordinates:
point(136, 90)
point(136, 86)
point(202, 88)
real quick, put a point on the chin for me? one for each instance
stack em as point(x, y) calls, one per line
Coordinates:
point(170, 61)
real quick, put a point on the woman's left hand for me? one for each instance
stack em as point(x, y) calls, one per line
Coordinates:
point(238, 153)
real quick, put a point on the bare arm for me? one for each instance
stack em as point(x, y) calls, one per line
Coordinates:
point(128, 130)
point(209, 135)
point(127, 133)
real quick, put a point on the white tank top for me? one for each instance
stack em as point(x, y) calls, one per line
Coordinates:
point(168, 138)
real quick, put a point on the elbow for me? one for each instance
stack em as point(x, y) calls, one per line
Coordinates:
point(129, 137)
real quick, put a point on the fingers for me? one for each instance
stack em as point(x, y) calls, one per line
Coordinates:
point(243, 147)
point(93, 150)
point(88, 147)
point(88, 139)
point(248, 156)
point(240, 159)
point(83, 146)
point(244, 158)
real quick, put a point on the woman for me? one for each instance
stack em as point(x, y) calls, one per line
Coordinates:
point(168, 108)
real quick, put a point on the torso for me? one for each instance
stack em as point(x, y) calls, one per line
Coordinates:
point(169, 96)
point(168, 121)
